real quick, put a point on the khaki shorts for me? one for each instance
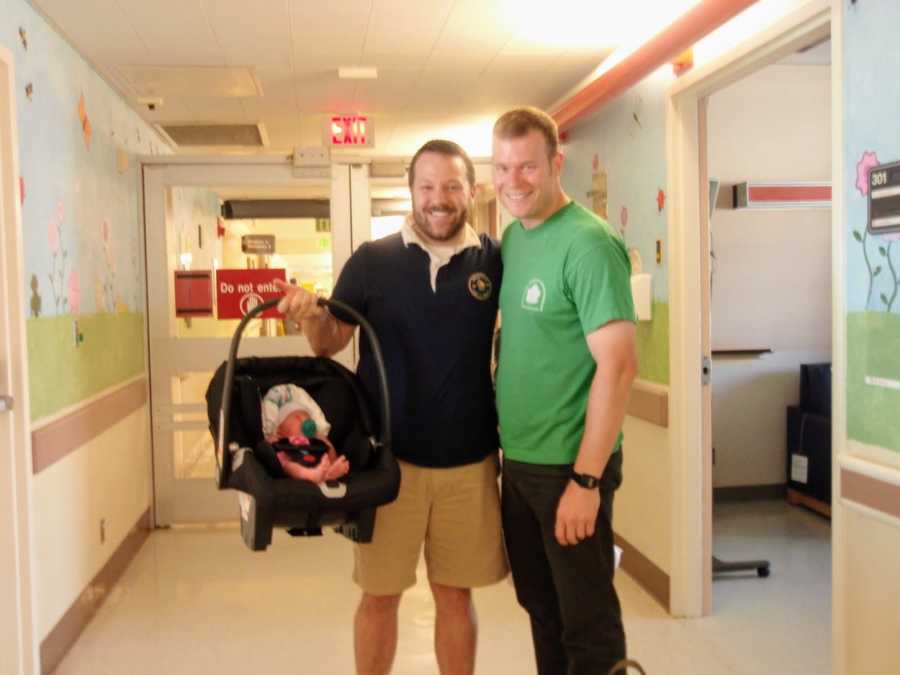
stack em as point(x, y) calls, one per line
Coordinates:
point(455, 512)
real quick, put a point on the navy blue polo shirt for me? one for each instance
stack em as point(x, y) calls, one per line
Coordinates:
point(436, 345)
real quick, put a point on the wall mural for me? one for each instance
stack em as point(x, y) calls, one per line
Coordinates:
point(626, 144)
point(81, 223)
point(871, 137)
point(877, 249)
point(81, 217)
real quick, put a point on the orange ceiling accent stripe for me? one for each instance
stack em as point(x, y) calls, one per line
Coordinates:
point(665, 46)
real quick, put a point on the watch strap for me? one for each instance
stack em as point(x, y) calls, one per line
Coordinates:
point(585, 480)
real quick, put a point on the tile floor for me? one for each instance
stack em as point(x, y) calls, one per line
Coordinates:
point(195, 601)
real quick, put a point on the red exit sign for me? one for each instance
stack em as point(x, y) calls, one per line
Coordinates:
point(351, 131)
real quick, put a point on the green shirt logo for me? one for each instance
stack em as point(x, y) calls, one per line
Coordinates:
point(533, 299)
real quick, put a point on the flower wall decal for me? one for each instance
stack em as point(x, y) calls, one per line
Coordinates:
point(863, 166)
point(58, 260)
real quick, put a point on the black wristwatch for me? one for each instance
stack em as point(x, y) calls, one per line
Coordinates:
point(585, 480)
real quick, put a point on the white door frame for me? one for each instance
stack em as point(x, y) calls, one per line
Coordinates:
point(18, 628)
point(178, 501)
point(690, 420)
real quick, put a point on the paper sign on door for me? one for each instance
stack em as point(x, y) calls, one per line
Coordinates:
point(799, 468)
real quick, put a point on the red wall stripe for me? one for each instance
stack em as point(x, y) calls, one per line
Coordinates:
point(790, 193)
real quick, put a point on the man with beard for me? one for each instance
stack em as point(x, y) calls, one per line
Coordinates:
point(430, 292)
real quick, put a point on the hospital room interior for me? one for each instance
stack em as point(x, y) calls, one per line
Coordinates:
point(163, 163)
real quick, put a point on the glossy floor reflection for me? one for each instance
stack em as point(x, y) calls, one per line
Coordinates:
point(195, 601)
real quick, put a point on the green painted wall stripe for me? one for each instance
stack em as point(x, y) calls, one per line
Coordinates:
point(873, 348)
point(653, 345)
point(61, 374)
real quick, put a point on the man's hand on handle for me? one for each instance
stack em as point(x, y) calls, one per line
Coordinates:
point(298, 304)
point(326, 334)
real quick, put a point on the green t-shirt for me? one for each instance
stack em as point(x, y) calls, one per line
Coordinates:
point(562, 280)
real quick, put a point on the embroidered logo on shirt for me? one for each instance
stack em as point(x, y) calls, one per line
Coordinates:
point(533, 299)
point(480, 286)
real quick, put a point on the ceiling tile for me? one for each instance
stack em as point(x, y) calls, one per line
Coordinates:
point(325, 95)
point(275, 81)
point(78, 21)
point(190, 81)
point(263, 41)
point(175, 33)
point(216, 110)
point(171, 111)
point(329, 34)
point(402, 32)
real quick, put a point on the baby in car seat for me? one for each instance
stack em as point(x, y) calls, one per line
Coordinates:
point(298, 431)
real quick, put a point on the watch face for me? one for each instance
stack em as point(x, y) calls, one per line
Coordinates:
point(584, 480)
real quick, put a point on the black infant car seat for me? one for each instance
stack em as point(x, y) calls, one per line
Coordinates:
point(248, 464)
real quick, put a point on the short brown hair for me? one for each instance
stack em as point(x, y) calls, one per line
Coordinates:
point(518, 122)
point(447, 148)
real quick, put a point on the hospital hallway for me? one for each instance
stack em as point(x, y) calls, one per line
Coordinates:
point(196, 601)
point(714, 185)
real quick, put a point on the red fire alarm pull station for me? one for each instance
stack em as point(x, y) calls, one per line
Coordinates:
point(351, 131)
point(193, 293)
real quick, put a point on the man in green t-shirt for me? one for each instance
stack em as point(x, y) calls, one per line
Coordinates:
point(565, 371)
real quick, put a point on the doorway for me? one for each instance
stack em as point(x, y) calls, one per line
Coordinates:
point(768, 151)
point(198, 214)
point(204, 217)
point(690, 338)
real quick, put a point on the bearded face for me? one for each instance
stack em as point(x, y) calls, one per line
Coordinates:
point(441, 196)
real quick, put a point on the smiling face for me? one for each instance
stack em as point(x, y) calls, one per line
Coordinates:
point(441, 196)
point(526, 177)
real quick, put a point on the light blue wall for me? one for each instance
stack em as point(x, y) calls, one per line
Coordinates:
point(871, 129)
point(871, 133)
point(628, 138)
point(72, 183)
point(81, 224)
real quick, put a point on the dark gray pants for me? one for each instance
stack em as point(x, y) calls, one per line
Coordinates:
point(576, 619)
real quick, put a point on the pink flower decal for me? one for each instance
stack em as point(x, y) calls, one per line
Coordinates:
point(623, 216)
point(60, 211)
point(53, 236)
point(104, 230)
point(863, 166)
point(74, 292)
point(21, 190)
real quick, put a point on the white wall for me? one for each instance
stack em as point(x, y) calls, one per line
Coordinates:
point(641, 511)
point(771, 274)
point(872, 598)
point(107, 479)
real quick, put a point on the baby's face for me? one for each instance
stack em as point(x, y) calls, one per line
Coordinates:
point(292, 424)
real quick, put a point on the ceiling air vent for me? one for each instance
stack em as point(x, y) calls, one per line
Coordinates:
point(216, 135)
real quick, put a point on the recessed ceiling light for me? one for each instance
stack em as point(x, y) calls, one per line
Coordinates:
point(358, 73)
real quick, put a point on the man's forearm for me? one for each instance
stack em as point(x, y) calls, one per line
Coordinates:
point(607, 403)
point(325, 335)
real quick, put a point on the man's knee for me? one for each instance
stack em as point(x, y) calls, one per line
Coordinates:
point(378, 606)
point(451, 599)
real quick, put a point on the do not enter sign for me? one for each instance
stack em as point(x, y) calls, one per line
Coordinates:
point(239, 291)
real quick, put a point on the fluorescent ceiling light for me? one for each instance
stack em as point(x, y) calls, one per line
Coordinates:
point(358, 73)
